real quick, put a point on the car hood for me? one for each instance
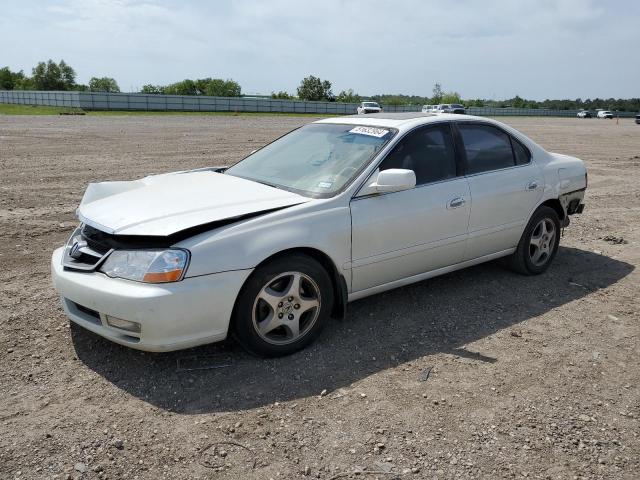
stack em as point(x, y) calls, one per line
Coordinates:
point(162, 205)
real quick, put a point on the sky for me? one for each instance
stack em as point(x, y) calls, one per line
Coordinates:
point(491, 49)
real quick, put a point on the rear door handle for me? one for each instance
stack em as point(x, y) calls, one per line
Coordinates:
point(533, 185)
point(457, 202)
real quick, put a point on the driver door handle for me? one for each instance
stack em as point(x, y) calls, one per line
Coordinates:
point(532, 185)
point(457, 202)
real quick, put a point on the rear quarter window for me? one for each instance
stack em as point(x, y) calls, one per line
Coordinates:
point(520, 152)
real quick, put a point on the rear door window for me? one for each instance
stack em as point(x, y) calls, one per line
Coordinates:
point(487, 148)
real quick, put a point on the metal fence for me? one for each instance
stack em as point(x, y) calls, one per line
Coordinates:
point(29, 97)
point(188, 103)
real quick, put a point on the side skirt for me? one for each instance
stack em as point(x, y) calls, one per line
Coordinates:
point(423, 276)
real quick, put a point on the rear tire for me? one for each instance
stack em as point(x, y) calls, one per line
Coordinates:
point(283, 306)
point(539, 243)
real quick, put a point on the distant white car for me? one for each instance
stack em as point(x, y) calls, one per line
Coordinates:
point(427, 108)
point(449, 108)
point(605, 114)
point(584, 114)
point(334, 211)
point(369, 107)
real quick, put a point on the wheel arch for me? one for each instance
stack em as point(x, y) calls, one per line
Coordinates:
point(555, 204)
point(338, 282)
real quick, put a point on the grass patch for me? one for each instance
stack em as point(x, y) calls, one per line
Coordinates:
point(230, 114)
point(11, 109)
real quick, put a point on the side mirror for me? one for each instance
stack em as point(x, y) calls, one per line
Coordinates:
point(395, 180)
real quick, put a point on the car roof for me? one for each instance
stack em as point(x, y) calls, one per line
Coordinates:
point(399, 120)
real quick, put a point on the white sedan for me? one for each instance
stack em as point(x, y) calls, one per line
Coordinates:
point(334, 211)
point(605, 114)
point(368, 107)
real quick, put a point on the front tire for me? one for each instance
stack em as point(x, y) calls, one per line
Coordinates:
point(283, 306)
point(539, 243)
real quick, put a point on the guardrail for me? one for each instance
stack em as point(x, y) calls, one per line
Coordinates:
point(189, 103)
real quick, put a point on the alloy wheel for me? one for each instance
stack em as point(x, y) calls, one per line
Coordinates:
point(286, 308)
point(542, 242)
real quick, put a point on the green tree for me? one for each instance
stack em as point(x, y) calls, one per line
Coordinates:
point(348, 96)
point(223, 88)
point(11, 80)
point(103, 84)
point(281, 95)
point(399, 99)
point(53, 76)
point(185, 87)
point(477, 102)
point(201, 85)
point(437, 93)
point(394, 100)
point(313, 88)
point(518, 102)
point(451, 97)
point(215, 87)
point(6, 79)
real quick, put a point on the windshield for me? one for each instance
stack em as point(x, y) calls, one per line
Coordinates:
point(370, 104)
point(317, 159)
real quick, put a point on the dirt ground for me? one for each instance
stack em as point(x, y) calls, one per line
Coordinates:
point(477, 374)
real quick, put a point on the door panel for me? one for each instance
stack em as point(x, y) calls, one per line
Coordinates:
point(401, 234)
point(502, 202)
point(505, 185)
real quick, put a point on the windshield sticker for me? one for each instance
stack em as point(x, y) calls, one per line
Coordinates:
point(325, 184)
point(371, 131)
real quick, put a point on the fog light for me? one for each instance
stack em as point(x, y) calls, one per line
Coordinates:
point(123, 324)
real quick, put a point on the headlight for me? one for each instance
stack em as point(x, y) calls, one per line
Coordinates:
point(151, 266)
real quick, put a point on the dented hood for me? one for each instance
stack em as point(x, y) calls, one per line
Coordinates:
point(163, 205)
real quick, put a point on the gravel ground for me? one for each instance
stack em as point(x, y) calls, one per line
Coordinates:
point(477, 374)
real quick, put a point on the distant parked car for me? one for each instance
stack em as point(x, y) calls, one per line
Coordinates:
point(451, 108)
point(605, 114)
point(369, 107)
point(427, 108)
point(638, 118)
point(584, 114)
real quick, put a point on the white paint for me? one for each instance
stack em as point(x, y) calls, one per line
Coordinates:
point(165, 204)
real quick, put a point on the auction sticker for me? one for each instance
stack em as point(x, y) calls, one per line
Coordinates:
point(371, 131)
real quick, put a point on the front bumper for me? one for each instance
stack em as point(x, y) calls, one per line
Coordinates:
point(172, 316)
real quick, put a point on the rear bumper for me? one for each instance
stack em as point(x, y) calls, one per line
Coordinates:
point(172, 316)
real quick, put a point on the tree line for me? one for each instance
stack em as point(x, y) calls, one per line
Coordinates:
point(50, 75)
point(214, 87)
point(53, 76)
point(314, 88)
